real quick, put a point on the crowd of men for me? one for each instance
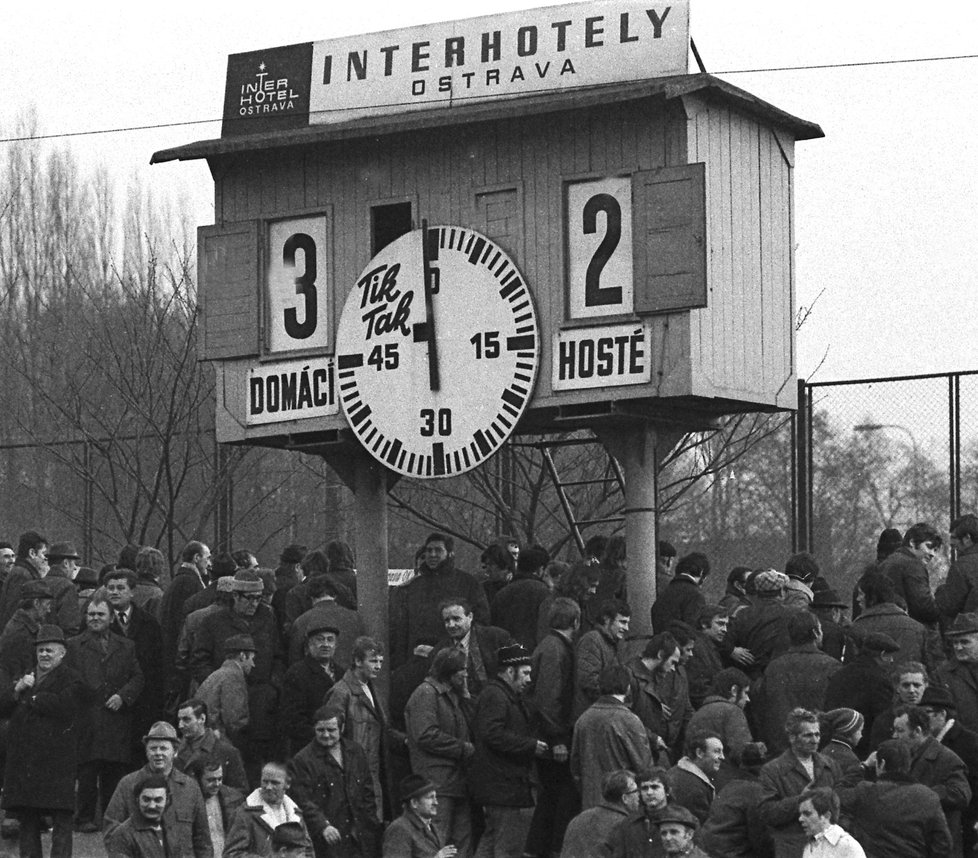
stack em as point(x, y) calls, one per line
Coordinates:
point(236, 711)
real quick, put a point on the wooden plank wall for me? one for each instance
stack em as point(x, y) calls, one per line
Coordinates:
point(745, 338)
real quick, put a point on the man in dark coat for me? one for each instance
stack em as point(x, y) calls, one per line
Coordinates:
point(200, 742)
point(63, 566)
point(31, 565)
point(144, 834)
point(263, 813)
point(935, 766)
point(479, 643)
point(516, 607)
point(414, 834)
point(691, 779)
point(306, 683)
point(786, 777)
point(41, 745)
point(734, 828)
point(221, 802)
point(17, 641)
point(760, 632)
point(880, 613)
point(185, 817)
point(864, 683)
point(798, 678)
point(504, 753)
point(683, 599)
point(141, 627)
point(590, 833)
point(191, 577)
point(597, 650)
point(325, 611)
point(414, 610)
point(550, 701)
point(893, 815)
point(960, 591)
point(708, 658)
point(109, 668)
point(332, 785)
point(907, 570)
point(960, 675)
point(939, 706)
point(829, 608)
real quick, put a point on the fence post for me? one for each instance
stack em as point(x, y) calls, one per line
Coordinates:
point(801, 449)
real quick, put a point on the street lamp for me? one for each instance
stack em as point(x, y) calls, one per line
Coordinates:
point(866, 428)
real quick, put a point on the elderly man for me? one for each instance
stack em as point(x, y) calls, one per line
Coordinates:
point(325, 611)
point(589, 833)
point(440, 744)
point(414, 833)
point(63, 567)
point(504, 754)
point(960, 675)
point(262, 812)
point(145, 834)
point(677, 828)
point(41, 745)
point(184, 816)
point(17, 640)
point(478, 643)
point(201, 742)
point(332, 784)
point(365, 716)
point(113, 678)
point(307, 682)
point(225, 691)
point(786, 777)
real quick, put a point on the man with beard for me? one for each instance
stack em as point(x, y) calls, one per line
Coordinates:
point(414, 610)
point(307, 682)
point(332, 785)
point(651, 690)
point(185, 816)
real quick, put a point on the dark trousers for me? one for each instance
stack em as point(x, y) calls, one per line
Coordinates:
point(30, 832)
point(97, 778)
point(557, 803)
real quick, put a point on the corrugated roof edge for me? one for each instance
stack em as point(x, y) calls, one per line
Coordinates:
point(549, 102)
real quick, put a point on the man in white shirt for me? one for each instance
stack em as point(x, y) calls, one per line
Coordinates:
point(818, 811)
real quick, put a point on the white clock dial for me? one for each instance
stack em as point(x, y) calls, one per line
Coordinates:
point(433, 378)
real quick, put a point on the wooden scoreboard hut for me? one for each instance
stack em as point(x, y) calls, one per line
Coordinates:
point(650, 219)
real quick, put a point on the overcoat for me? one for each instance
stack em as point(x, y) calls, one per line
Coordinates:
point(439, 736)
point(960, 591)
point(104, 734)
point(42, 741)
point(911, 581)
point(589, 833)
point(251, 829)
point(304, 688)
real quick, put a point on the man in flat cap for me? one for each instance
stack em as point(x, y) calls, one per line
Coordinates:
point(306, 683)
point(960, 675)
point(17, 640)
point(63, 567)
point(505, 750)
point(677, 827)
point(225, 691)
point(413, 834)
point(184, 817)
point(830, 610)
point(41, 745)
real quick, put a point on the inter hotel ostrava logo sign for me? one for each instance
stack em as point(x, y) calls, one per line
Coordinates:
point(536, 50)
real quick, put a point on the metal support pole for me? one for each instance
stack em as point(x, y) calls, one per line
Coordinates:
point(370, 505)
point(803, 478)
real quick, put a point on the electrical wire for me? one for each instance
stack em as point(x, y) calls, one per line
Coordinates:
point(184, 124)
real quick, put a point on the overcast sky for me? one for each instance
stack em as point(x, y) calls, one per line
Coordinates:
point(884, 205)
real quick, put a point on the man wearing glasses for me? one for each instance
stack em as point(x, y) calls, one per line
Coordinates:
point(589, 833)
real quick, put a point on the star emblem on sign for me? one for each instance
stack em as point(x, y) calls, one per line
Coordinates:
point(261, 67)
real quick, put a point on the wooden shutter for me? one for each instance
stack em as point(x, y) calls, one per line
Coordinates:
point(669, 223)
point(228, 285)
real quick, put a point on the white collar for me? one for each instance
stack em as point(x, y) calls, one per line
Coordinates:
point(940, 736)
point(833, 834)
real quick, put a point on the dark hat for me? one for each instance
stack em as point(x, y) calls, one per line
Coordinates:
point(162, 731)
point(827, 599)
point(964, 624)
point(321, 626)
point(414, 786)
point(754, 755)
point(87, 578)
point(240, 643)
point(675, 813)
point(293, 553)
point(267, 581)
point(289, 835)
point(63, 551)
point(513, 655)
point(35, 590)
point(49, 633)
point(878, 642)
point(938, 698)
point(247, 581)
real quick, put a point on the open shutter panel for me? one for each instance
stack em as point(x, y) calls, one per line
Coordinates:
point(228, 283)
point(670, 238)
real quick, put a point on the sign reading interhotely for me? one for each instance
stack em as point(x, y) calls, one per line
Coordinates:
point(292, 390)
point(535, 50)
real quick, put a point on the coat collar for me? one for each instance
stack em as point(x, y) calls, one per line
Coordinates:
point(688, 766)
point(255, 805)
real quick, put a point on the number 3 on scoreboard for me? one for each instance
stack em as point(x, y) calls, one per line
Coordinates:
point(599, 248)
point(296, 285)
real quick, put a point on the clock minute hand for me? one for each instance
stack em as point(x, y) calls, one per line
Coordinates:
point(429, 254)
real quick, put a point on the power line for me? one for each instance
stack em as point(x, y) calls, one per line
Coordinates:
point(187, 123)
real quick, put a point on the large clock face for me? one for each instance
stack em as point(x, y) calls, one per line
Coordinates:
point(437, 351)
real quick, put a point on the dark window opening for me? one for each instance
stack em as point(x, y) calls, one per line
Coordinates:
point(388, 223)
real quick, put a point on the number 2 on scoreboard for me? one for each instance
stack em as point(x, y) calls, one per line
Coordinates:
point(599, 248)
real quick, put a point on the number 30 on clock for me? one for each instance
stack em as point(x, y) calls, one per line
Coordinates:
point(599, 248)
